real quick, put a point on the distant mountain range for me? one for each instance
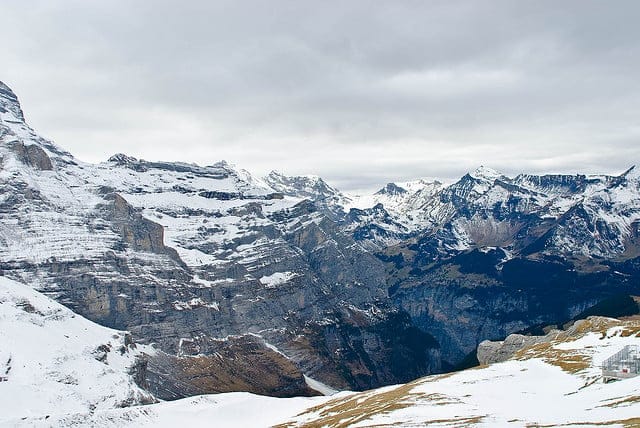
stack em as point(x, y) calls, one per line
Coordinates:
point(267, 284)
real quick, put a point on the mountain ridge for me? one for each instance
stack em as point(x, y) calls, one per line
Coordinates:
point(184, 256)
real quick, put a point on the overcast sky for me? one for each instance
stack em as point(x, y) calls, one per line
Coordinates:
point(358, 92)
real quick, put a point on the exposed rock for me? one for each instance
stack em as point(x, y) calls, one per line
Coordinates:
point(32, 155)
point(391, 189)
point(140, 233)
point(490, 352)
point(360, 349)
point(495, 352)
point(185, 255)
point(222, 196)
point(122, 159)
point(241, 363)
point(9, 102)
point(476, 296)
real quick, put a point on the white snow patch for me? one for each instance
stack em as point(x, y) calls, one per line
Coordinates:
point(277, 279)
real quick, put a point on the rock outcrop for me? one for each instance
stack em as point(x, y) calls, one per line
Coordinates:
point(518, 345)
point(495, 352)
point(32, 155)
point(9, 103)
point(239, 363)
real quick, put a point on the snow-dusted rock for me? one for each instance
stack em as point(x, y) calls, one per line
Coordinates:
point(175, 253)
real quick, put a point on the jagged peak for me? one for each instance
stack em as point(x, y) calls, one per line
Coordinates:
point(308, 179)
point(422, 185)
point(391, 189)
point(9, 102)
point(486, 173)
point(302, 186)
point(420, 182)
point(122, 159)
point(276, 174)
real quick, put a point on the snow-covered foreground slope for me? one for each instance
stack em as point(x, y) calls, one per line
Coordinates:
point(553, 383)
point(556, 383)
point(54, 362)
point(230, 410)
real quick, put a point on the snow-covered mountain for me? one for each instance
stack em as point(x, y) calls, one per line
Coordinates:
point(203, 261)
point(392, 214)
point(307, 187)
point(403, 200)
point(573, 215)
point(497, 254)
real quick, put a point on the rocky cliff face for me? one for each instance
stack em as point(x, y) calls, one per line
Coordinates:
point(475, 295)
point(556, 381)
point(9, 105)
point(186, 257)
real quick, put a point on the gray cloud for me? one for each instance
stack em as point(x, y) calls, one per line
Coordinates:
point(358, 92)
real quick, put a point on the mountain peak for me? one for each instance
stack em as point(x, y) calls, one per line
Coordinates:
point(122, 159)
point(223, 164)
point(391, 189)
point(9, 103)
point(304, 186)
point(312, 180)
point(483, 172)
point(276, 175)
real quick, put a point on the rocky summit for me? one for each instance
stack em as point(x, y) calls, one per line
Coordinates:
point(280, 284)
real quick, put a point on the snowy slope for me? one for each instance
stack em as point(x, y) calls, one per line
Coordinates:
point(404, 199)
point(304, 186)
point(186, 254)
point(53, 361)
point(606, 221)
point(231, 410)
point(546, 385)
point(197, 206)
